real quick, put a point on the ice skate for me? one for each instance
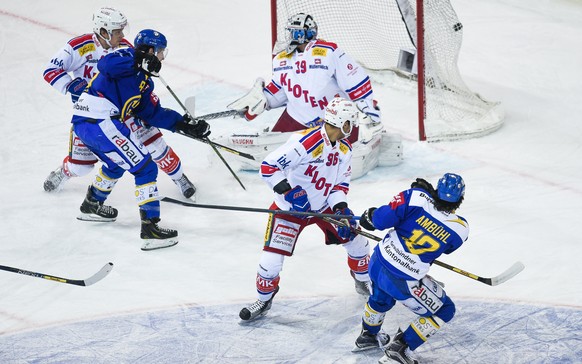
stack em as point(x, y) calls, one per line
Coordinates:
point(257, 309)
point(396, 351)
point(363, 288)
point(367, 341)
point(187, 187)
point(94, 210)
point(155, 237)
point(55, 179)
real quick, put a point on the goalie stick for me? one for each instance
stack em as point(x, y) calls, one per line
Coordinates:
point(103, 272)
point(506, 275)
point(252, 209)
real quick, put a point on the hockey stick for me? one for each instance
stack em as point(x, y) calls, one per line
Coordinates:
point(103, 272)
point(252, 209)
point(205, 138)
point(190, 105)
point(506, 275)
point(220, 146)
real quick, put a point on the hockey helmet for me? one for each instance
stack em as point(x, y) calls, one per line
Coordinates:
point(149, 38)
point(301, 28)
point(451, 187)
point(109, 19)
point(339, 111)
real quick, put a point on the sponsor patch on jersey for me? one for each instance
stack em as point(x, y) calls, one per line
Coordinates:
point(397, 201)
point(317, 151)
point(344, 148)
point(284, 54)
point(86, 49)
point(319, 52)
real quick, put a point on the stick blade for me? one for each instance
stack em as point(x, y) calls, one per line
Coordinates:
point(103, 272)
point(511, 272)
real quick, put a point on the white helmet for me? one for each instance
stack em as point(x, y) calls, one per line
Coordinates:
point(339, 111)
point(109, 19)
point(301, 28)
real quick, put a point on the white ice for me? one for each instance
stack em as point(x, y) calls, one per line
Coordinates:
point(180, 305)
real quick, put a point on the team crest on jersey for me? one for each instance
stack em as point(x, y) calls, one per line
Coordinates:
point(321, 52)
point(86, 49)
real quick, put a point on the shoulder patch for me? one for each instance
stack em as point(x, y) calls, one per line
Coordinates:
point(317, 151)
point(89, 47)
point(284, 55)
point(319, 52)
point(324, 44)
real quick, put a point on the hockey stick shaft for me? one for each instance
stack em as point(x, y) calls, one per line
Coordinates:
point(77, 282)
point(220, 146)
point(206, 138)
point(222, 114)
point(493, 281)
point(252, 209)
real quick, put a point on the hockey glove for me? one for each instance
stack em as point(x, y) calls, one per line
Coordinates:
point(366, 219)
point(148, 62)
point(425, 185)
point(76, 88)
point(253, 103)
point(197, 128)
point(369, 109)
point(297, 197)
point(345, 232)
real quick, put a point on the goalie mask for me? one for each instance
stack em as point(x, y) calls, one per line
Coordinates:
point(301, 28)
point(341, 111)
point(151, 39)
point(109, 19)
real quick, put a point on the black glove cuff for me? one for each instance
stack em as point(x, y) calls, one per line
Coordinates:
point(366, 219)
point(282, 187)
point(339, 206)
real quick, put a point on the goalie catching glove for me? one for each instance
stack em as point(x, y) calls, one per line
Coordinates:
point(253, 103)
point(197, 128)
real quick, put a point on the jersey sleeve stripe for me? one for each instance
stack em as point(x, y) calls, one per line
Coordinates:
point(268, 170)
point(53, 75)
point(80, 41)
point(346, 143)
point(361, 90)
point(324, 44)
point(311, 140)
point(272, 88)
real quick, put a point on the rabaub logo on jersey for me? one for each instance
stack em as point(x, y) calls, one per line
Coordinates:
point(429, 300)
point(128, 149)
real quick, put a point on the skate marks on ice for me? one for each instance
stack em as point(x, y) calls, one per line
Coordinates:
point(301, 331)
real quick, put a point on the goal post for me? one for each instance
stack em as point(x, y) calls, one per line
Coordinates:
point(418, 41)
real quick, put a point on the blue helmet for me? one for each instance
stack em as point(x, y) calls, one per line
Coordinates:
point(151, 38)
point(301, 28)
point(451, 187)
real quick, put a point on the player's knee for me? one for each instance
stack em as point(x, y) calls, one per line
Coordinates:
point(447, 311)
point(78, 170)
point(147, 173)
point(270, 264)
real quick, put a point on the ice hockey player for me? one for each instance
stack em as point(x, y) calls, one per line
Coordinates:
point(423, 225)
point(307, 75)
point(311, 172)
point(124, 87)
point(69, 71)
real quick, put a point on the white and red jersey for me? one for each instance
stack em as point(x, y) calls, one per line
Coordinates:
point(78, 58)
point(310, 160)
point(307, 81)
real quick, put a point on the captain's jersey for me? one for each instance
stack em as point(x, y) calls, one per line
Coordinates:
point(307, 81)
point(310, 160)
point(420, 235)
point(121, 90)
point(77, 58)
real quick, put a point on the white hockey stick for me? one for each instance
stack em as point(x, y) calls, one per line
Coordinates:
point(103, 272)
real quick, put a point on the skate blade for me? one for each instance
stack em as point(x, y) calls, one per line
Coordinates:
point(95, 218)
point(154, 244)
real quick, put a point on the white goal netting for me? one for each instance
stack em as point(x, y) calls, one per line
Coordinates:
point(381, 33)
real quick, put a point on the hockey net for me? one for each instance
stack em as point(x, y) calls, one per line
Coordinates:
point(382, 35)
